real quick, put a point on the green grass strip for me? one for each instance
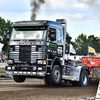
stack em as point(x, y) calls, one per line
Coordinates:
point(2, 73)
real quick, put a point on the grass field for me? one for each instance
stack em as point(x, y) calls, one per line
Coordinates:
point(2, 73)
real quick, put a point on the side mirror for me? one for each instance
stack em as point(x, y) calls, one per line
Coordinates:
point(52, 36)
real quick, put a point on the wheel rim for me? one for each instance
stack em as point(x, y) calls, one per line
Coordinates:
point(84, 79)
point(57, 75)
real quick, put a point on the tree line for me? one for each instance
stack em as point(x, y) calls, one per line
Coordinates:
point(80, 44)
point(5, 26)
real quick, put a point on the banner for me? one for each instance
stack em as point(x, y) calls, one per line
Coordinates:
point(98, 92)
point(1, 45)
point(91, 50)
point(72, 50)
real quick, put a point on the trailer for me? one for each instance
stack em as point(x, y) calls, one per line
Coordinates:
point(92, 64)
point(37, 49)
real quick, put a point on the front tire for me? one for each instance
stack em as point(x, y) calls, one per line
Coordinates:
point(19, 79)
point(56, 76)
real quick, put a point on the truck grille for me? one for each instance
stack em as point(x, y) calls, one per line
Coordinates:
point(25, 53)
point(36, 53)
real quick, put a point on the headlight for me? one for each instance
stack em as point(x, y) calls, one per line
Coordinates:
point(8, 68)
point(41, 62)
point(10, 61)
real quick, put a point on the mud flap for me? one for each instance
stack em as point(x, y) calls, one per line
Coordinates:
point(96, 73)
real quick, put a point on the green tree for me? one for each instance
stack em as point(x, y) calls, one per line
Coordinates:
point(5, 26)
point(94, 42)
point(68, 38)
point(68, 41)
point(81, 44)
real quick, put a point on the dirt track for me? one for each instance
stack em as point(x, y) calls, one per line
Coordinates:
point(2, 70)
point(34, 89)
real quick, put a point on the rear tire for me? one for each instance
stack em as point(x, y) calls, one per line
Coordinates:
point(19, 79)
point(83, 79)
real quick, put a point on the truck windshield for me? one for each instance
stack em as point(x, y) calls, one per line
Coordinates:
point(18, 34)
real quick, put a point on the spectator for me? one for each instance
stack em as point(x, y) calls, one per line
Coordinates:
point(1, 58)
point(4, 59)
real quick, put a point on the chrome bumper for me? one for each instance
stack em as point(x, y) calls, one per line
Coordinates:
point(25, 73)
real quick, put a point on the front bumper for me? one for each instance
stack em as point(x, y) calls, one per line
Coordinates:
point(25, 73)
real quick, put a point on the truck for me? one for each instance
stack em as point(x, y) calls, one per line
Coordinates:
point(37, 49)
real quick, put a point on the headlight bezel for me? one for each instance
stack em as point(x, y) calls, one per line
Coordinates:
point(10, 61)
point(41, 62)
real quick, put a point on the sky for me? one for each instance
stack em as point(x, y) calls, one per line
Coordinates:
point(82, 16)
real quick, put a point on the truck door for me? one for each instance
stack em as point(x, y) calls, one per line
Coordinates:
point(52, 44)
point(59, 37)
point(55, 36)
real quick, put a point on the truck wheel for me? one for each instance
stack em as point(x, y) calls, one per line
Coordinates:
point(56, 75)
point(83, 79)
point(19, 79)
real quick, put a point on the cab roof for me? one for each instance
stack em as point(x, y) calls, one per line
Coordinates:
point(37, 23)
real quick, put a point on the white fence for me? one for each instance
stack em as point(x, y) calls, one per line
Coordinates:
point(3, 64)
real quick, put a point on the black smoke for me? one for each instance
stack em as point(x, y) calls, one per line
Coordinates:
point(36, 4)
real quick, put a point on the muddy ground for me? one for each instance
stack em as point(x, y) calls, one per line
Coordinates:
point(35, 89)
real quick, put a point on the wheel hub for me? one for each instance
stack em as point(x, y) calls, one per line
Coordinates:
point(57, 75)
point(84, 79)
